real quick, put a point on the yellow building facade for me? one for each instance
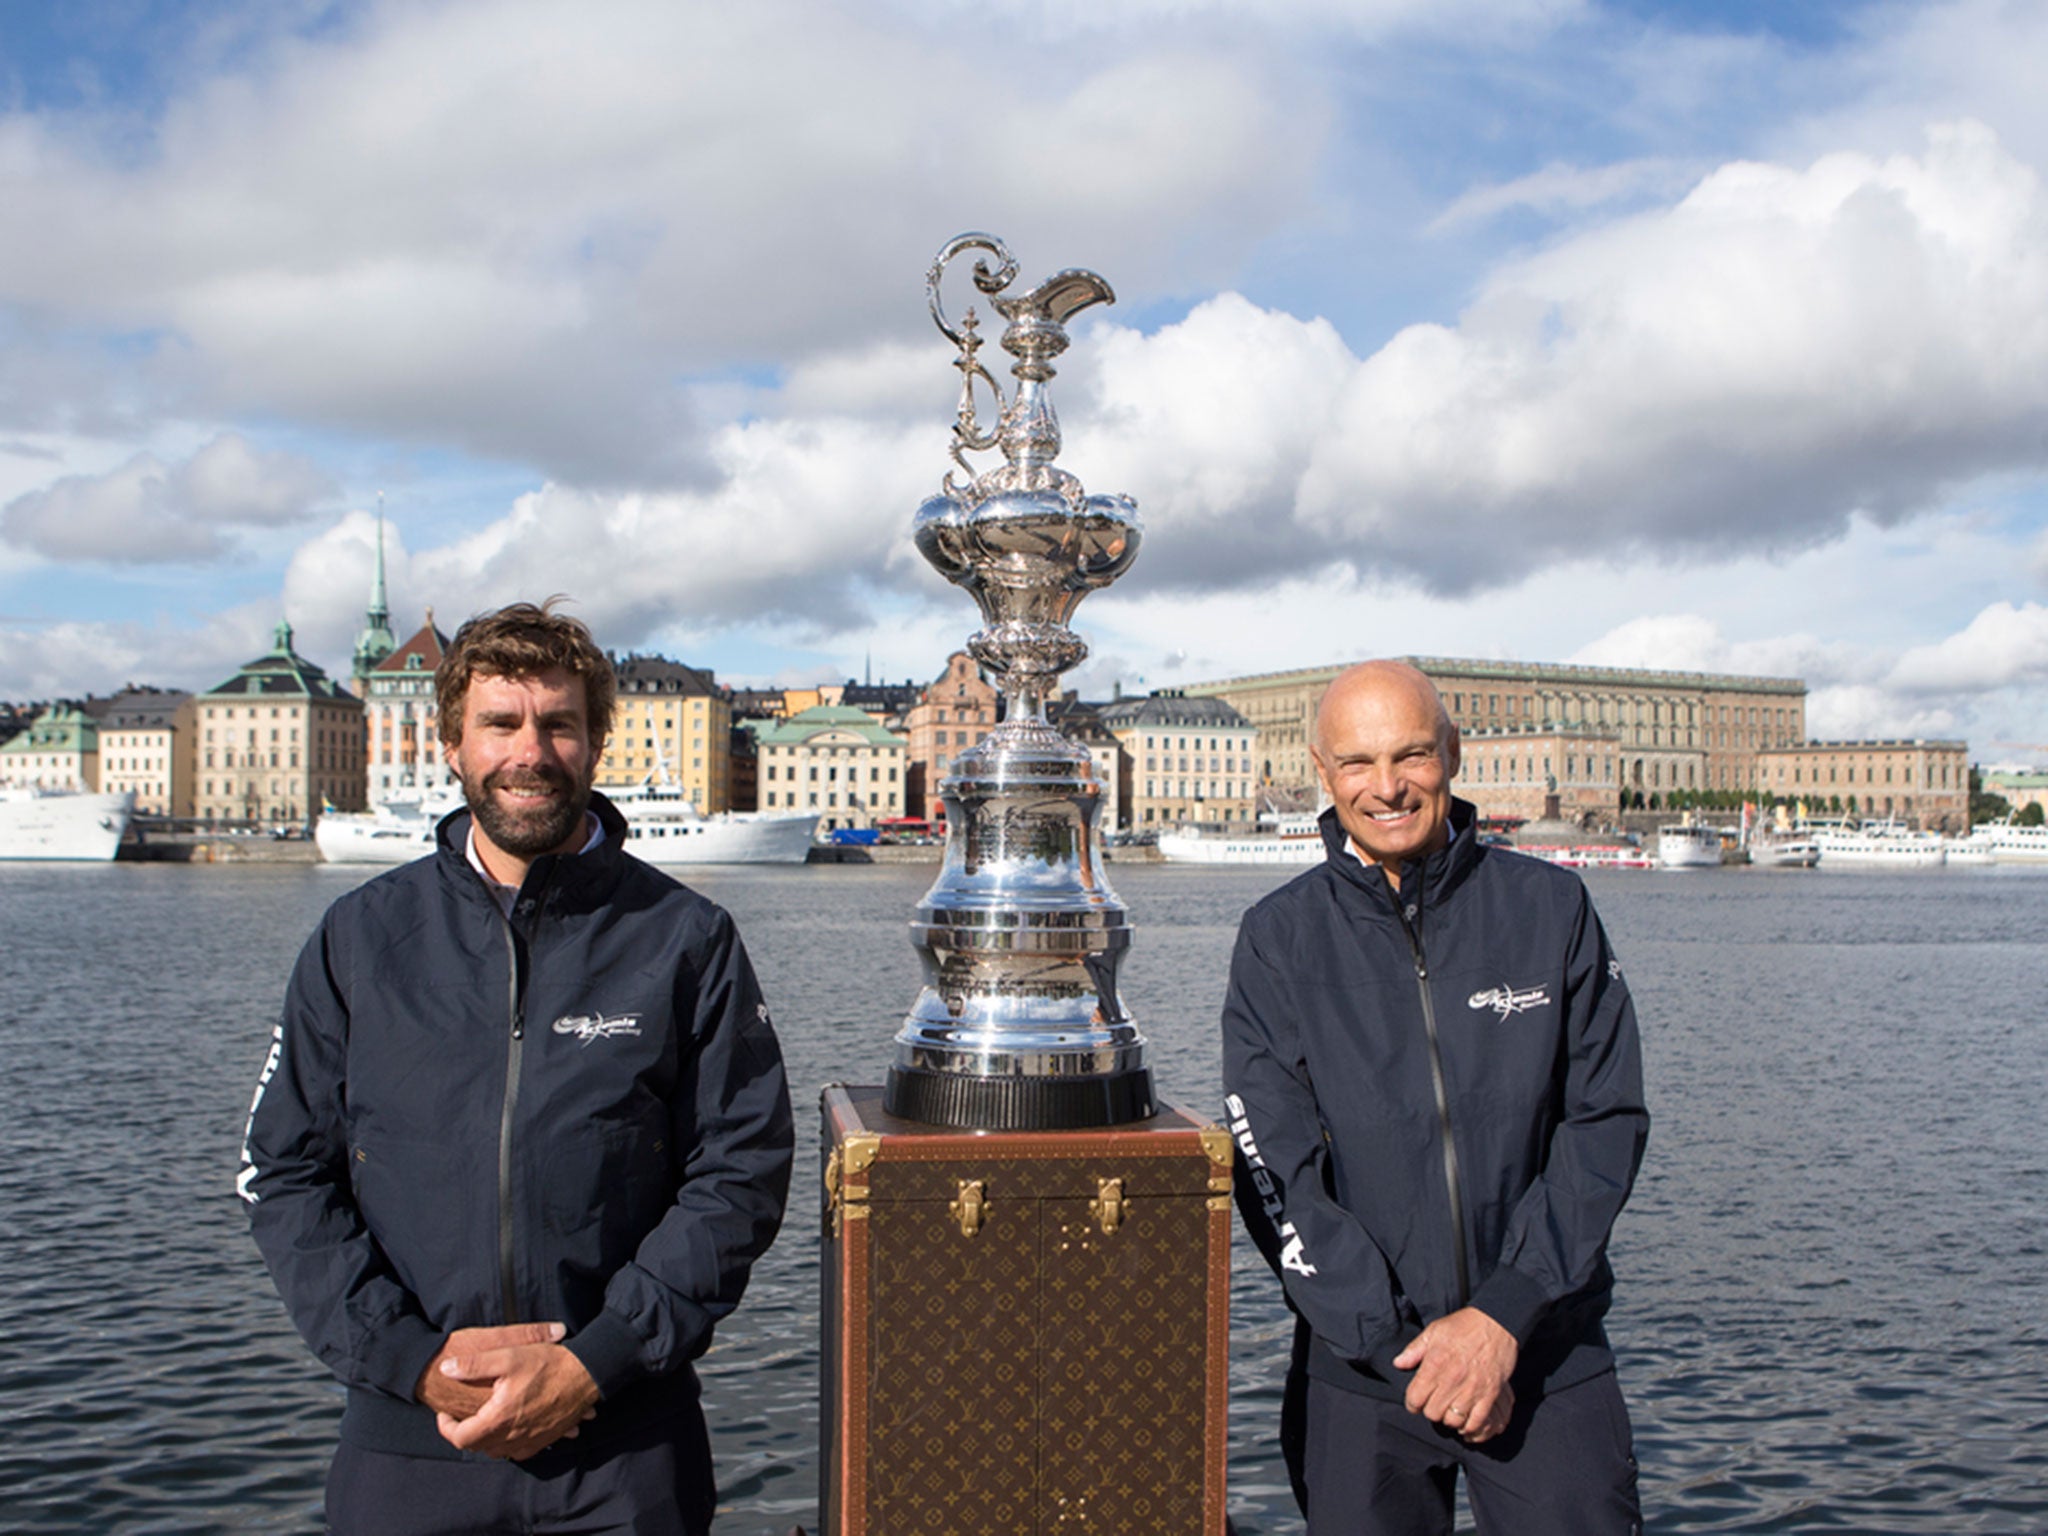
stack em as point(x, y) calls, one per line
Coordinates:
point(671, 724)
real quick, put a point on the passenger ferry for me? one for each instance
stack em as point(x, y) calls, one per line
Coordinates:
point(1887, 842)
point(1296, 839)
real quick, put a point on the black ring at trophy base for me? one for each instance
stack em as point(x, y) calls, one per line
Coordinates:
point(1014, 1103)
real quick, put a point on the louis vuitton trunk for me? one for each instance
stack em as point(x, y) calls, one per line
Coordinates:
point(1025, 1331)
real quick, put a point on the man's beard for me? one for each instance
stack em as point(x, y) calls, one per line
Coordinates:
point(529, 832)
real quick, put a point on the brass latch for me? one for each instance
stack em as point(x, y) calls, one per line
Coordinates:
point(1108, 1205)
point(969, 1207)
point(832, 1193)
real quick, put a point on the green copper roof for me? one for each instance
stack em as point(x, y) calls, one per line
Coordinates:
point(282, 673)
point(803, 725)
point(60, 728)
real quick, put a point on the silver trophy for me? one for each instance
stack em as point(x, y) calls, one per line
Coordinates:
point(1019, 1025)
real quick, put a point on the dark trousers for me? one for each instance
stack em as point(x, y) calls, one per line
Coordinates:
point(643, 1489)
point(1564, 1466)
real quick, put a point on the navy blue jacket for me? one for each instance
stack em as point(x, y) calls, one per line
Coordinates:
point(576, 1114)
point(1437, 1099)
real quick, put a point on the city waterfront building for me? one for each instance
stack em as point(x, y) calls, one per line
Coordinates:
point(834, 760)
point(148, 747)
point(758, 703)
point(59, 749)
point(1191, 761)
point(1926, 783)
point(1518, 776)
point(279, 741)
point(401, 718)
point(2018, 790)
point(743, 767)
point(887, 702)
point(1673, 731)
point(797, 700)
point(1082, 723)
point(672, 724)
point(956, 710)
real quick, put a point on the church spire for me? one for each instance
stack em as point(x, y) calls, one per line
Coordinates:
point(376, 641)
point(380, 611)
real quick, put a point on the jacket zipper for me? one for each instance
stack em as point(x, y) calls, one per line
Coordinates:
point(1452, 1183)
point(508, 1294)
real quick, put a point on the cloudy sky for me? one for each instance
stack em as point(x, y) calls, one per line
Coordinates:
point(1708, 336)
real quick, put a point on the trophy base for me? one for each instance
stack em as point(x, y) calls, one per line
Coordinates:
point(1018, 1103)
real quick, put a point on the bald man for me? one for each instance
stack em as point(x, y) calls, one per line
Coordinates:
point(1432, 1072)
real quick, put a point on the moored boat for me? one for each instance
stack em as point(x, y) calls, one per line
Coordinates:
point(1998, 842)
point(1292, 840)
point(1590, 855)
point(663, 826)
point(1688, 845)
point(1791, 849)
point(71, 825)
point(1879, 842)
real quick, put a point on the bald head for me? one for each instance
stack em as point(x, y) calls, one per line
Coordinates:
point(1378, 683)
point(1386, 751)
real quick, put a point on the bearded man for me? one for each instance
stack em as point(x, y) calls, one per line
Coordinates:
point(521, 1136)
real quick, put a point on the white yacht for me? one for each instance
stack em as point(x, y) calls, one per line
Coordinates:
point(1687, 845)
point(71, 825)
point(662, 827)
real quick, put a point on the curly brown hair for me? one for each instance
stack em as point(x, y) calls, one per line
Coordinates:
point(521, 640)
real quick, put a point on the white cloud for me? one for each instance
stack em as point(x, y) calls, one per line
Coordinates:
point(517, 227)
point(1861, 712)
point(2004, 645)
point(75, 658)
point(1782, 349)
point(1568, 189)
point(147, 511)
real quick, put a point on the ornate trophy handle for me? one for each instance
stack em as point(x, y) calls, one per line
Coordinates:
point(968, 435)
point(987, 281)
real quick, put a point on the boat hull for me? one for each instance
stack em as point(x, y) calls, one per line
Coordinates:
point(62, 826)
point(737, 837)
point(1688, 848)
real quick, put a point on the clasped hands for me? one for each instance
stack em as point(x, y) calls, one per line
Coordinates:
point(509, 1391)
point(1462, 1363)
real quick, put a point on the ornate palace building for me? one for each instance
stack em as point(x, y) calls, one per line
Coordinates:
point(1590, 735)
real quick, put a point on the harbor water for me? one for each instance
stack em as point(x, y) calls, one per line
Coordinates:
point(1832, 1311)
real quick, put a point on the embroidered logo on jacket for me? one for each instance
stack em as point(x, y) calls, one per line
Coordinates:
point(1505, 1001)
point(587, 1027)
